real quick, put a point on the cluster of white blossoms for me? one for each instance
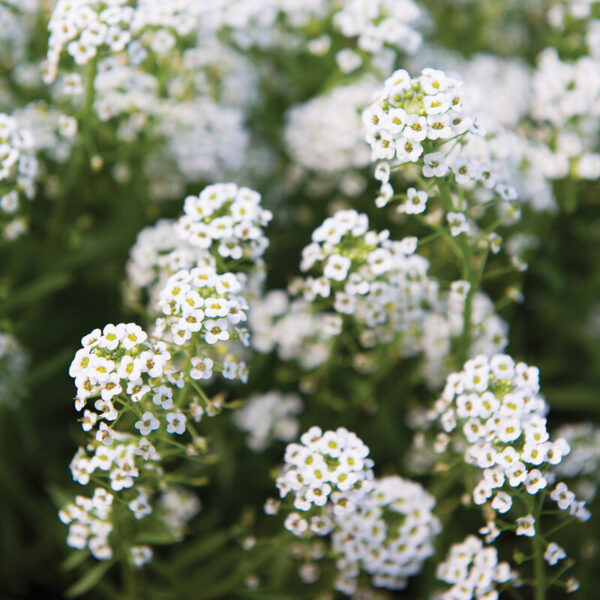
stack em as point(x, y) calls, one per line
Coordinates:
point(18, 170)
point(335, 114)
point(207, 140)
point(385, 286)
point(389, 535)
point(196, 240)
point(328, 468)
point(120, 365)
point(473, 571)
point(422, 121)
point(203, 310)
point(90, 524)
point(411, 118)
point(382, 527)
point(565, 107)
point(226, 219)
point(54, 132)
point(158, 253)
point(500, 92)
point(16, 27)
point(123, 461)
point(366, 273)
point(13, 363)
point(380, 23)
point(494, 411)
point(268, 417)
point(293, 329)
point(583, 462)
point(376, 27)
point(84, 28)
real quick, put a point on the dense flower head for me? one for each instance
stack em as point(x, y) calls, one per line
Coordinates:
point(206, 139)
point(18, 170)
point(84, 28)
point(369, 276)
point(120, 362)
point(268, 417)
point(565, 109)
point(123, 462)
point(582, 464)
point(493, 409)
point(90, 524)
point(226, 219)
point(292, 328)
point(203, 310)
point(410, 116)
point(335, 113)
point(389, 534)
point(421, 121)
point(223, 224)
point(473, 570)
point(158, 253)
point(327, 468)
point(385, 287)
point(380, 23)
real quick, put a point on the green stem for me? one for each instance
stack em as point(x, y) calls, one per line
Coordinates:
point(539, 570)
point(539, 566)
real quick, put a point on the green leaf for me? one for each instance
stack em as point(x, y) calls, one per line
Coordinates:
point(91, 578)
point(74, 560)
point(35, 291)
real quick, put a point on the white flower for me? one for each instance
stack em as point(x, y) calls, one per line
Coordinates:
point(202, 368)
point(147, 423)
point(337, 267)
point(458, 223)
point(435, 165)
point(176, 423)
point(416, 202)
point(554, 553)
point(526, 526)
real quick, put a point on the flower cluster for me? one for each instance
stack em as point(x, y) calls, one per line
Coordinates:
point(90, 524)
point(493, 408)
point(18, 170)
point(226, 219)
point(410, 122)
point(203, 310)
point(411, 117)
point(384, 528)
point(373, 278)
point(389, 535)
point(386, 288)
point(268, 417)
point(293, 328)
point(123, 461)
point(583, 462)
point(473, 571)
point(86, 27)
point(158, 253)
point(327, 468)
point(120, 364)
point(380, 23)
point(565, 107)
point(206, 139)
point(223, 225)
point(337, 112)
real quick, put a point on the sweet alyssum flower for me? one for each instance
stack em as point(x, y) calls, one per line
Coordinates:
point(268, 417)
point(330, 467)
point(203, 312)
point(473, 570)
